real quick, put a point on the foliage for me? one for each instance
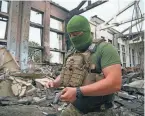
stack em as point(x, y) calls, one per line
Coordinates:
point(33, 53)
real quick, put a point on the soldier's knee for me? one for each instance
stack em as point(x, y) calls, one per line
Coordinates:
point(70, 111)
point(64, 113)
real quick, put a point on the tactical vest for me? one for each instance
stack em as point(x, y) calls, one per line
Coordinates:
point(77, 70)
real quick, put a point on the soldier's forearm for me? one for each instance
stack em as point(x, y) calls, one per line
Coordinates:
point(100, 88)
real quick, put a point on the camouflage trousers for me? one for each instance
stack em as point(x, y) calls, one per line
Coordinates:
point(72, 111)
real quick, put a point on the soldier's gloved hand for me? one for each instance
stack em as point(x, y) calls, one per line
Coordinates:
point(50, 84)
point(68, 94)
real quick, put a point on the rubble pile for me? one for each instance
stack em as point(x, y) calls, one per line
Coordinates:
point(130, 100)
point(22, 93)
point(26, 90)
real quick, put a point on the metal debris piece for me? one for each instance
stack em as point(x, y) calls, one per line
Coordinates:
point(57, 97)
point(125, 95)
point(129, 77)
point(136, 84)
point(134, 106)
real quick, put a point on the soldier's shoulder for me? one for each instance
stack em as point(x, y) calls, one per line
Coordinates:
point(101, 43)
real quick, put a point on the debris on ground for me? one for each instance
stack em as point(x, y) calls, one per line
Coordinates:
point(130, 100)
point(23, 93)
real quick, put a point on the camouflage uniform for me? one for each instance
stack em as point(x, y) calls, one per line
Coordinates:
point(72, 111)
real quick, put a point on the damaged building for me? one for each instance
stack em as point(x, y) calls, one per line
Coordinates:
point(34, 44)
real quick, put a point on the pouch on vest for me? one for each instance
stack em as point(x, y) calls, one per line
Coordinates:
point(75, 70)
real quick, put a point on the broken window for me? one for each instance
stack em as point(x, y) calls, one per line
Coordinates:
point(4, 6)
point(118, 49)
point(130, 56)
point(92, 34)
point(133, 57)
point(56, 43)
point(35, 35)
point(56, 57)
point(110, 41)
point(56, 24)
point(124, 60)
point(124, 55)
point(36, 17)
point(139, 58)
point(118, 46)
point(35, 49)
point(56, 40)
point(3, 26)
point(102, 37)
point(123, 48)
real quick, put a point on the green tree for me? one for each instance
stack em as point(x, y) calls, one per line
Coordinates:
point(34, 53)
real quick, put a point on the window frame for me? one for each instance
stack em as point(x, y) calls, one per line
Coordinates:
point(41, 27)
point(63, 51)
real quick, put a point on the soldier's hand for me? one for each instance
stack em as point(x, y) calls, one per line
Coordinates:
point(50, 83)
point(68, 94)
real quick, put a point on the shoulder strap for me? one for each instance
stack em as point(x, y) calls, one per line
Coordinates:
point(93, 47)
point(69, 53)
point(98, 41)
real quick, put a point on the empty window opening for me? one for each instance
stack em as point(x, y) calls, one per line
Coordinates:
point(102, 37)
point(110, 41)
point(56, 57)
point(124, 55)
point(3, 26)
point(35, 35)
point(118, 49)
point(36, 17)
point(133, 57)
point(56, 24)
point(4, 6)
point(92, 34)
point(56, 40)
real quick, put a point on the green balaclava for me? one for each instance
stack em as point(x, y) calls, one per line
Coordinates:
point(77, 24)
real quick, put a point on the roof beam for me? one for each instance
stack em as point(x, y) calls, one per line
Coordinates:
point(131, 34)
point(132, 25)
point(122, 22)
point(95, 4)
point(81, 4)
point(77, 10)
point(124, 9)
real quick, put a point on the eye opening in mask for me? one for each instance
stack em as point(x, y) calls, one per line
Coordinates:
point(77, 33)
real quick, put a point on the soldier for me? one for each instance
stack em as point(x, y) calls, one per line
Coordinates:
point(94, 96)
